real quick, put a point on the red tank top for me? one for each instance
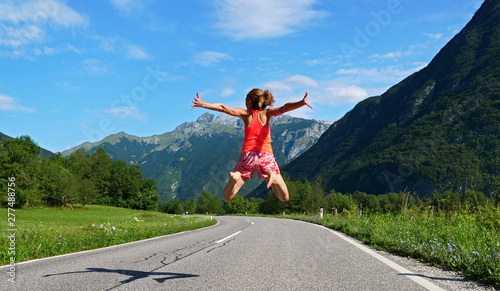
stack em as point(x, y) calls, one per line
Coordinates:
point(257, 136)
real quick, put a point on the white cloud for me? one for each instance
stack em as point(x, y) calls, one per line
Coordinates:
point(26, 24)
point(128, 7)
point(347, 89)
point(40, 12)
point(434, 35)
point(301, 80)
point(95, 67)
point(8, 103)
point(291, 83)
point(130, 112)
point(322, 62)
point(49, 51)
point(336, 93)
point(15, 37)
point(135, 52)
point(120, 45)
point(278, 86)
point(264, 18)
point(226, 92)
point(68, 86)
point(108, 44)
point(391, 55)
point(210, 58)
point(387, 75)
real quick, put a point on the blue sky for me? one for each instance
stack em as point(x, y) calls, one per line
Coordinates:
point(76, 71)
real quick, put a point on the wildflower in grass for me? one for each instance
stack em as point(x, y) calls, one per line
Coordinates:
point(476, 253)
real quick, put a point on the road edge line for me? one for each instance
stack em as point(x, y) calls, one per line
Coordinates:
point(404, 272)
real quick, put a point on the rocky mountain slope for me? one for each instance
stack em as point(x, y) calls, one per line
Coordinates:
point(197, 156)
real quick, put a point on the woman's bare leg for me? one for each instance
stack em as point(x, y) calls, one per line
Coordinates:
point(279, 187)
point(234, 185)
point(270, 179)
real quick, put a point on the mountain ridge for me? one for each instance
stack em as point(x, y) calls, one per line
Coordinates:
point(203, 152)
point(438, 129)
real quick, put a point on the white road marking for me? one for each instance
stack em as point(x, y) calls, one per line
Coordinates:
point(405, 272)
point(228, 237)
point(234, 234)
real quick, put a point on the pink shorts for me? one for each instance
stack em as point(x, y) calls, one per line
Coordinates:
point(261, 162)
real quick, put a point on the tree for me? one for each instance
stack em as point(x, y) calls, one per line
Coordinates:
point(272, 205)
point(239, 205)
point(87, 191)
point(300, 196)
point(369, 203)
point(336, 200)
point(100, 164)
point(207, 203)
point(173, 207)
point(66, 189)
point(189, 206)
point(20, 158)
point(148, 197)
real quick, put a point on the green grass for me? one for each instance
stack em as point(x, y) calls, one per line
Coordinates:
point(44, 232)
point(464, 242)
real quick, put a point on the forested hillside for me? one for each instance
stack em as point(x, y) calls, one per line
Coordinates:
point(438, 129)
point(81, 178)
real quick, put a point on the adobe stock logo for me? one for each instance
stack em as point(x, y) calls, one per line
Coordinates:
point(363, 36)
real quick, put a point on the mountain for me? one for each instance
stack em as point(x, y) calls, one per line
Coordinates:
point(45, 153)
point(438, 129)
point(2, 136)
point(198, 156)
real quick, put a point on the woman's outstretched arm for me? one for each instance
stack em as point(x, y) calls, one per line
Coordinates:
point(238, 112)
point(275, 111)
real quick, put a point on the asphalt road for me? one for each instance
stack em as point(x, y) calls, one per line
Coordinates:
point(239, 253)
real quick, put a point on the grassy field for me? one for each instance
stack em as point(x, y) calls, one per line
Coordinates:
point(44, 232)
point(464, 242)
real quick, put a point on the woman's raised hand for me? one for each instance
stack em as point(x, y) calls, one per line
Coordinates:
point(197, 102)
point(306, 102)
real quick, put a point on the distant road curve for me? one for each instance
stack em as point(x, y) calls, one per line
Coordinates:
point(239, 253)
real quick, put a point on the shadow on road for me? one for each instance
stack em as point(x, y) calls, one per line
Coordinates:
point(429, 277)
point(134, 275)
